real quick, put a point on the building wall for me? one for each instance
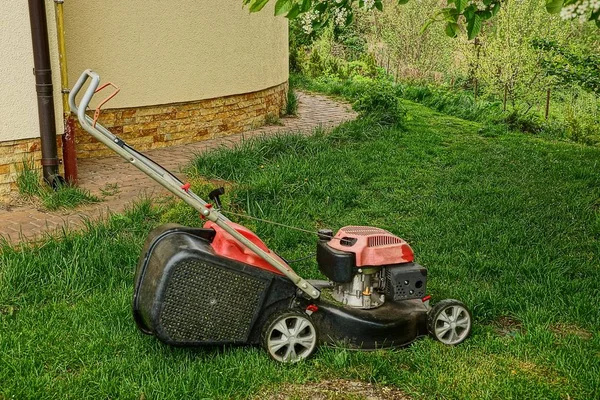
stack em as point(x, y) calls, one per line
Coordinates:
point(161, 52)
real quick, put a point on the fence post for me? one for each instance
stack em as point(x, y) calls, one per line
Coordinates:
point(547, 103)
point(505, 95)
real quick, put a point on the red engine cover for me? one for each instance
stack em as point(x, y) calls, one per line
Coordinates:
point(372, 246)
point(227, 246)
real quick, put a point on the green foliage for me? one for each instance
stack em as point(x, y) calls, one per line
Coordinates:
point(352, 39)
point(505, 64)
point(554, 6)
point(569, 66)
point(329, 54)
point(582, 118)
point(583, 128)
point(380, 104)
point(396, 34)
point(457, 15)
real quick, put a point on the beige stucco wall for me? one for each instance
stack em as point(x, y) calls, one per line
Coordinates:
point(162, 52)
point(18, 102)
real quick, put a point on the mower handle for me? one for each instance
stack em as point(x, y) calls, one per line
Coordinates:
point(85, 101)
point(168, 180)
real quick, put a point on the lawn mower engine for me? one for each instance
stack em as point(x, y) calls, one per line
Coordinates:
point(369, 266)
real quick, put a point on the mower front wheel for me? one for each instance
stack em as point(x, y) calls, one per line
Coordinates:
point(289, 336)
point(449, 321)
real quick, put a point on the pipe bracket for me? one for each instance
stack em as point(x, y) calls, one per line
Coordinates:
point(49, 162)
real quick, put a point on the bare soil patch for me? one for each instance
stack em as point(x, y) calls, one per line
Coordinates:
point(508, 326)
point(563, 330)
point(335, 389)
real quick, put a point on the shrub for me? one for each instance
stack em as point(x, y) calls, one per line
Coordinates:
point(582, 128)
point(378, 102)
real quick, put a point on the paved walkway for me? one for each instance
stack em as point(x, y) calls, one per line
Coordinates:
point(28, 223)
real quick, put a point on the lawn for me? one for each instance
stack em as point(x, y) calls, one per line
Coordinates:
point(507, 223)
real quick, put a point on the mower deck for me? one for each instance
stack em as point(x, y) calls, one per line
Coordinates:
point(394, 324)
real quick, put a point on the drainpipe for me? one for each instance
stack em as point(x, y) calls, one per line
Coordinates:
point(68, 138)
point(43, 85)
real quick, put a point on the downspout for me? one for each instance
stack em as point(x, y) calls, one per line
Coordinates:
point(43, 84)
point(68, 138)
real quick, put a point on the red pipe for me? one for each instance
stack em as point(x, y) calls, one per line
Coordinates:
point(68, 148)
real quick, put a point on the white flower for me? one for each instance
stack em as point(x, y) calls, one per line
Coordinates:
point(369, 4)
point(568, 12)
point(339, 16)
point(479, 5)
point(306, 21)
point(581, 10)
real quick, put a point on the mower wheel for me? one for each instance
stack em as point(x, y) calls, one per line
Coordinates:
point(289, 336)
point(449, 321)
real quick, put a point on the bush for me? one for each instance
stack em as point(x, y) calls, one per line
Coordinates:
point(379, 102)
point(528, 123)
point(582, 128)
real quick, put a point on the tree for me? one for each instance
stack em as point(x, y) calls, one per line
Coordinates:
point(458, 15)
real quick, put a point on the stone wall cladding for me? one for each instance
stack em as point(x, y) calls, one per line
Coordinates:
point(151, 127)
point(13, 154)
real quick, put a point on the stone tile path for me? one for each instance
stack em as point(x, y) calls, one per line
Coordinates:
point(28, 223)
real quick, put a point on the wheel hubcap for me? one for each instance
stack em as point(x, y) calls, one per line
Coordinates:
point(292, 339)
point(452, 324)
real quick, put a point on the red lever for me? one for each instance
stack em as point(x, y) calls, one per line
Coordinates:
point(186, 186)
point(97, 112)
point(311, 308)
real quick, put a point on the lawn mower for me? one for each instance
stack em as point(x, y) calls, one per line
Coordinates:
point(220, 284)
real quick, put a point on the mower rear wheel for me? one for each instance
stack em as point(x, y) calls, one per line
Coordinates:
point(449, 321)
point(289, 336)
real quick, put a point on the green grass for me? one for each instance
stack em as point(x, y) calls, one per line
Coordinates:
point(508, 223)
point(66, 196)
point(291, 104)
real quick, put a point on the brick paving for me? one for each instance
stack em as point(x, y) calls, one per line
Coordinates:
point(26, 223)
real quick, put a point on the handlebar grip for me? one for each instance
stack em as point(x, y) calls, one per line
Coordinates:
point(85, 101)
